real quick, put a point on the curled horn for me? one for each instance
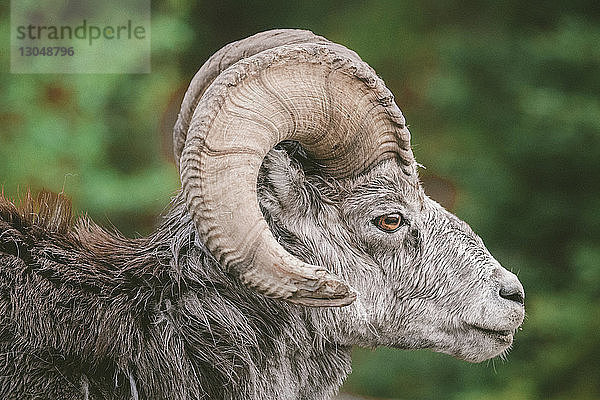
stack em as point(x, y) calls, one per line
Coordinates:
point(312, 91)
point(220, 61)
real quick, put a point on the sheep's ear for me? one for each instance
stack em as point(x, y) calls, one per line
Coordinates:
point(281, 182)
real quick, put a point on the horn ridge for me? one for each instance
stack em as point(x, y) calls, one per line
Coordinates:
point(220, 61)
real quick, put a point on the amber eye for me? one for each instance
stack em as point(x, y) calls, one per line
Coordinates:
point(389, 222)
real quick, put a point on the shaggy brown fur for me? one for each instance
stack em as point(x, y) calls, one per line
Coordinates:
point(88, 314)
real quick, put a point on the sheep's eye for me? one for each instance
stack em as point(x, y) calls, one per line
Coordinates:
point(389, 222)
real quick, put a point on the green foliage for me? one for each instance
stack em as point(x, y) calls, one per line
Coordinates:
point(503, 101)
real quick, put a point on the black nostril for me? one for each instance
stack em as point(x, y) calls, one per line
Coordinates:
point(513, 294)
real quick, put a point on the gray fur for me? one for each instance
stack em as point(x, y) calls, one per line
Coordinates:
point(88, 314)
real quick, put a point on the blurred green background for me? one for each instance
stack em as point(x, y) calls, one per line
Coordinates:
point(503, 100)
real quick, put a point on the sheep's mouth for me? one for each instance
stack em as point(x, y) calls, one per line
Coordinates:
point(501, 334)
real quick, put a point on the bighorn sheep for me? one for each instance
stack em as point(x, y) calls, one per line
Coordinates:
point(301, 230)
